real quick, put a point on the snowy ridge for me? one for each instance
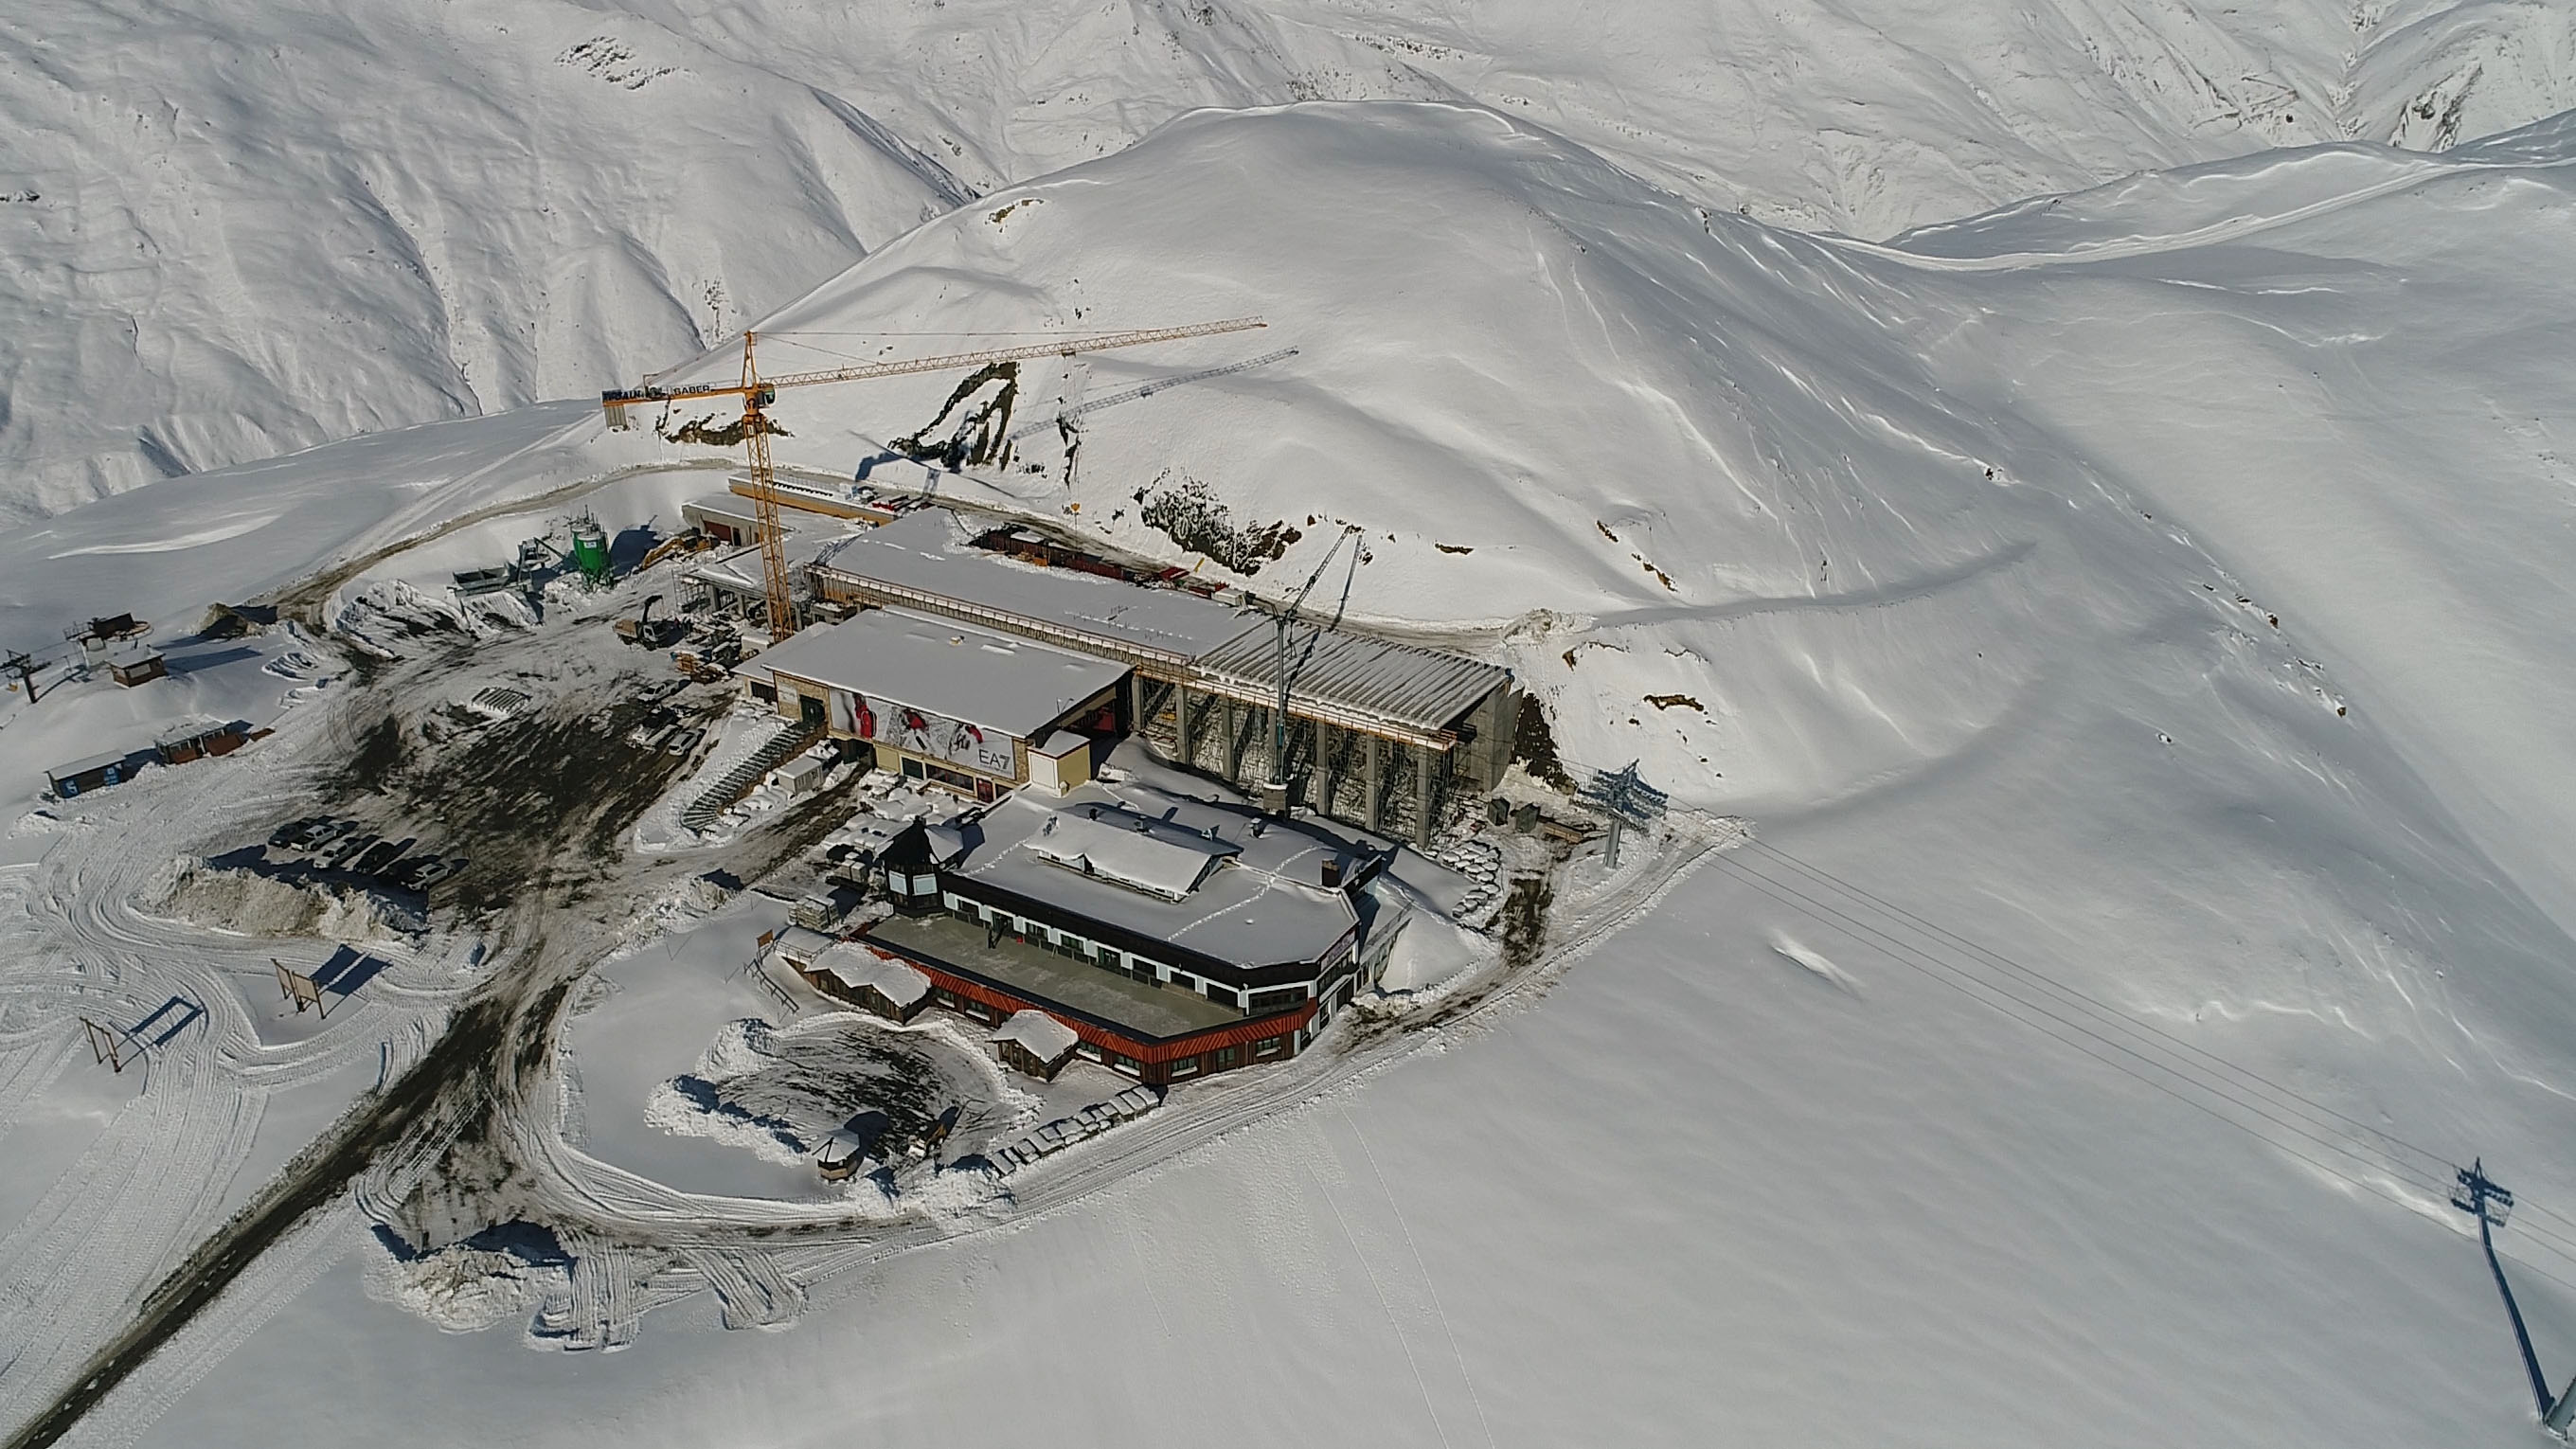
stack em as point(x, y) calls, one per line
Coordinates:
point(260, 229)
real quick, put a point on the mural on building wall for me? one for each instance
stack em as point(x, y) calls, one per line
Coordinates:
point(924, 733)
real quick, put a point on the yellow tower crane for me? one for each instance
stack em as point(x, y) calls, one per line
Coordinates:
point(758, 392)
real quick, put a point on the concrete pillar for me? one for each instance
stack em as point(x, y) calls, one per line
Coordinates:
point(1181, 712)
point(1373, 781)
point(1421, 793)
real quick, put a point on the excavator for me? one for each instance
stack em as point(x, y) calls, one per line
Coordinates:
point(644, 631)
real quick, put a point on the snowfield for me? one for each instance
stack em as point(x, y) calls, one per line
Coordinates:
point(234, 231)
point(2108, 651)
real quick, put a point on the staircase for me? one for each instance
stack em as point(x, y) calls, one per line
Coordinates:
point(789, 738)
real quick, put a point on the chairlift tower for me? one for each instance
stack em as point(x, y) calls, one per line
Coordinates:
point(2478, 1195)
point(1625, 799)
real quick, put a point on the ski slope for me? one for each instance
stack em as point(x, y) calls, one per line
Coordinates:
point(2126, 622)
point(233, 231)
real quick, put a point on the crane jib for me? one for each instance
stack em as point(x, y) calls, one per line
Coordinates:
point(759, 392)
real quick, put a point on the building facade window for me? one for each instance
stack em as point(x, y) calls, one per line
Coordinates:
point(1278, 1000)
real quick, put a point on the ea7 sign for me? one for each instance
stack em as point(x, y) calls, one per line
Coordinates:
point(920, 732)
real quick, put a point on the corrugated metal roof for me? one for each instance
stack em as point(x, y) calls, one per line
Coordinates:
point(921, 560)
point(1422, 688)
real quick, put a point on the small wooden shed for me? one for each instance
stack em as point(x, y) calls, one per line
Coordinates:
point(139, 665)
point(871, 981)
point(1036, 1043)
point(197, 739)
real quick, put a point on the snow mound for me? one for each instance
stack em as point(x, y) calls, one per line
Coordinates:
point(466, 1288)
point(254, 904)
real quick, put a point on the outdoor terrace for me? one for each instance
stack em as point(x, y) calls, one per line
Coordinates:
point(1138, 1007)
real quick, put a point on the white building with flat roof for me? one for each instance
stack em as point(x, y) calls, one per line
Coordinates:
point(940, 700)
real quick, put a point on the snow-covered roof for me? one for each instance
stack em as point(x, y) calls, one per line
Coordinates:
point(727, 506)
point(993, 681)
point(1045, 1037)
point(920, 554)
point(85, 764)
point(1351, 679)
point(947, 841)
point(796, 943)
point(739, 570)
point(130, 657)
point(855, 966)
point(1060, 744)
point(1130, 848)
point(1263, 905)
point(190, 730)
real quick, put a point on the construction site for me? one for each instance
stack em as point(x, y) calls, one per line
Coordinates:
point(964, 836)
point(1108, 809)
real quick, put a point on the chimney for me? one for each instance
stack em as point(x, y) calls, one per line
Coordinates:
point(1332, 872)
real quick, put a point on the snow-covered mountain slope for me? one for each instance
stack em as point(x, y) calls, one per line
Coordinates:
point(2147, 593)
point(1749, 458)
point(233, 231)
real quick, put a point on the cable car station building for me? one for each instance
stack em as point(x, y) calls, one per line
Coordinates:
point(1380, 735)
point(976, 711)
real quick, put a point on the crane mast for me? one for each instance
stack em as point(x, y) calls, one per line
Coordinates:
point(757, 393)
point(1283, 616)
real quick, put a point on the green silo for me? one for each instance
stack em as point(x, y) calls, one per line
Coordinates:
point(590, 549)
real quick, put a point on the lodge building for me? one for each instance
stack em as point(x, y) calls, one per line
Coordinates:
point(1173, 936)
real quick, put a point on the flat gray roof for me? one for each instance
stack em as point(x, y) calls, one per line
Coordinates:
point(728, 506)
point(1422, 688)
point(1262, 903)
point(1137, 1005)
point(85, 764)
point(739, 569)
point(921, 553)
point(994, 681)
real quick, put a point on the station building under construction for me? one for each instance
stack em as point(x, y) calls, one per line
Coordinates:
point(1382, 735)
